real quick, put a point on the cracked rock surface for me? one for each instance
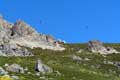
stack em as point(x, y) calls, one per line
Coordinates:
point(13, 36)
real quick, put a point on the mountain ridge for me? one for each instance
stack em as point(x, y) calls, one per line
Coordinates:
point(21, 33)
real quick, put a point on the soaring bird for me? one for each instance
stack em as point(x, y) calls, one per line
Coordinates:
point(86, 27)
point(40, 21)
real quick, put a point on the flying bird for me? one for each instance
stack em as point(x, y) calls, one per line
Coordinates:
point(86, 27)
point(40, 21)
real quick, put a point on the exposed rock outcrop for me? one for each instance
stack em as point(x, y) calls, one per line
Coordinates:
point(25, 35)
point(96, 46)
point(13, 36)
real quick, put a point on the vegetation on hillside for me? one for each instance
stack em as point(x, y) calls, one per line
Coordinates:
point(93, 66)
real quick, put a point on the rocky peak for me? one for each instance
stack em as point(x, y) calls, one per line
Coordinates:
point(21, 28)
point(13, 36)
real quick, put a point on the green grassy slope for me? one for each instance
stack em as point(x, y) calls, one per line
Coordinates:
point(93, 69)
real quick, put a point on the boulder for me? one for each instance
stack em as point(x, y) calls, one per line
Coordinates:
point(15, 68)
point(15, 77)
point(76, 58)
point(96, 46)
point(40, 67)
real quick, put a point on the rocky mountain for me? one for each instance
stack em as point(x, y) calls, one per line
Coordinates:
point(14, 36)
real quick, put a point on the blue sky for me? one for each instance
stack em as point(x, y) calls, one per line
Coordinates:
point(71, 20)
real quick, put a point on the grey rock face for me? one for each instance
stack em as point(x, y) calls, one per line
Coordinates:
point(40, 67)
point(8, 49)
point(13, 36)
point(25, 35)
point(15, 68)
point(96, 46)
point(20, 28)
